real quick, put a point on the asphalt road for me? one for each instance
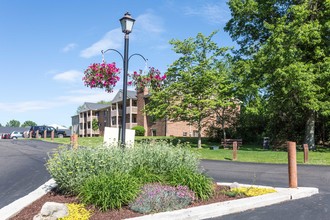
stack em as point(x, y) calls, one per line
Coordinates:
point(316, 207)
point(22, 168)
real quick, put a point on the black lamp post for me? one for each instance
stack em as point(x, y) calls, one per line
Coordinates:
point(127, 23)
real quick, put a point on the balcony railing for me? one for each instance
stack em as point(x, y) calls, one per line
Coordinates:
point(127, 125)
point(90, 118)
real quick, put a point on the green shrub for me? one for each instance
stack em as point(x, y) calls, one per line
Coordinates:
point(160, 198)
point(110, 190)
point(152, 160)
point(160, 157)
point(70, 168)
point(201, 185)
point(144, 175)
point(139, 130)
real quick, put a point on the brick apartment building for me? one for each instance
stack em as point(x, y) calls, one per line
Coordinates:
point(111, 115)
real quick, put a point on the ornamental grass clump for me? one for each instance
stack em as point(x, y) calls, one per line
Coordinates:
point(160, 198)
point(202, 185)
point(148, 162)
point(110, 190)
point(161, 157)
point(70, 168)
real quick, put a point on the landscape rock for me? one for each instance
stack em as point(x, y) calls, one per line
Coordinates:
point(234, 185)
point(52, 211)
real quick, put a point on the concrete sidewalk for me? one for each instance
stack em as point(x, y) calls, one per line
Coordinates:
point(201, 212)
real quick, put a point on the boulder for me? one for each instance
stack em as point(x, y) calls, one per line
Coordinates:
point(234, 185)
point(52, 211)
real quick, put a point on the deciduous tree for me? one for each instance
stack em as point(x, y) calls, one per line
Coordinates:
point(13, 123)
point(197, 83)
point(28, 123)
point(286, 45)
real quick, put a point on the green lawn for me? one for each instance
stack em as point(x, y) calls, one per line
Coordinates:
point(246, 153)
point(258, 155)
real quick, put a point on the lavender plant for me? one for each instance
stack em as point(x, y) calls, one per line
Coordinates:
point(160, 198)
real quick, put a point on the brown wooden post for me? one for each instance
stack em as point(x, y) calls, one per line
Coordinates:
point(75, 141)
point(37, 134)
point(52, 135)
point(235, 150)
point(71, 140)
point(31, 134)
point(45, 134)
point(292, 164)
point(305, 153)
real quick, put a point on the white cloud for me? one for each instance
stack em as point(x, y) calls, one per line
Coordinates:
point(113, 39)
point(87, 95)
point(147, 24)
point(216, 14)
point(76, 97)
point(25, 106)
point(150, 23)
point(69, 76)
point(69, 47)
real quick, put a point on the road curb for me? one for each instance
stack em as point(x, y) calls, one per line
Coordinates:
point(15, 207)
point(234, 206)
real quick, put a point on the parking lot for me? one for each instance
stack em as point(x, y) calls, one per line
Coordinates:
point(22, 167)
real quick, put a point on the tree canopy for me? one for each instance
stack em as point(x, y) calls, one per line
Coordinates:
point(28, 123)
point(284, 59)
point(197, 83)
point(13, 123)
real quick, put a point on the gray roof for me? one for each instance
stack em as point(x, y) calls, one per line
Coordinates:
point(119, 96)
point(5, 130)
point(93, 106)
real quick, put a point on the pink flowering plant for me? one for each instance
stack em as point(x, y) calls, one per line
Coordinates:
point(101, 75)
point(153, 79)
point(105, 75)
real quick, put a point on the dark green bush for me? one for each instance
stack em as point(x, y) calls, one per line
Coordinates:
point(139, 130)
point(110, 190)
point(201, 185)
point(145, 175)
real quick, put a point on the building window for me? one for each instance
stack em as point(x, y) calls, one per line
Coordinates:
point(134, 119)
point(184, 134)
point(113, 121)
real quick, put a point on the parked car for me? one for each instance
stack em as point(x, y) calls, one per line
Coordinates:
point(48, 130)
point(16, 134)
point(5, 136)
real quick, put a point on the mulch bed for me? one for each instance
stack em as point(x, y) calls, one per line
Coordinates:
point(30, 211)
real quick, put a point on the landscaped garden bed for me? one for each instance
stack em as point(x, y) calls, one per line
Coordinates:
point(30, 211)
point(120, 183)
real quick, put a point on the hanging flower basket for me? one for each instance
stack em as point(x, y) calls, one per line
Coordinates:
point(101, 75)
point(153, 79)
